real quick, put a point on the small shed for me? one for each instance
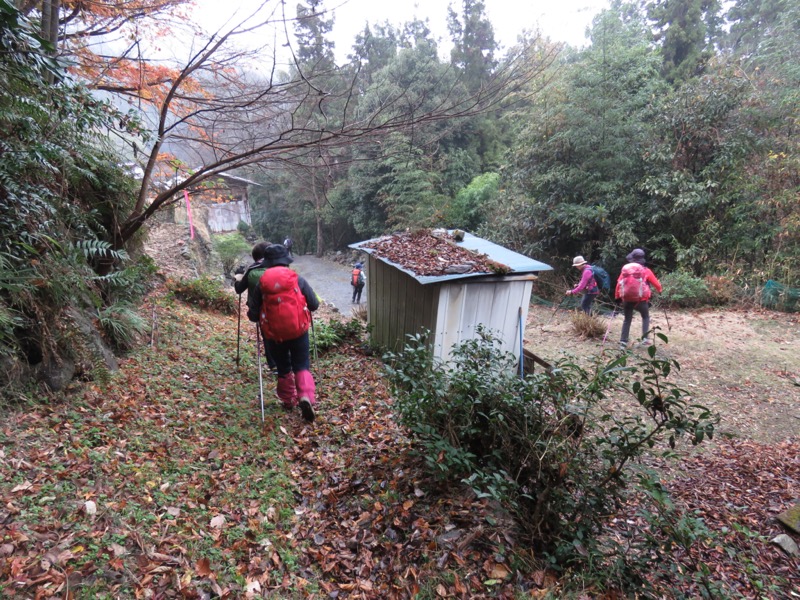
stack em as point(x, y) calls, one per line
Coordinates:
point(451, 304)
point(227, 199)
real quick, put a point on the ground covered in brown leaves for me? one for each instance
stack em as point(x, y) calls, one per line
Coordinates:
point(737, 491)
point(163, 483)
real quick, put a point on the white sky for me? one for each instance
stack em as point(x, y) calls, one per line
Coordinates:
point(561, 20)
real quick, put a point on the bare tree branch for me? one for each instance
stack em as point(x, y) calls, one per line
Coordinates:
point(218, 109)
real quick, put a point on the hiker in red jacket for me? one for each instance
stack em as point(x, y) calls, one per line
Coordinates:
point(633, 288)
point(286, 302)
point(587, 285)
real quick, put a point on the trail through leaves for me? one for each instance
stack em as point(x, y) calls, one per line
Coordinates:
point(164, 483)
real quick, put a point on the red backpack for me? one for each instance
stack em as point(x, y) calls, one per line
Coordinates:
point(357, 278)
point(284, 313)
point(633, 285)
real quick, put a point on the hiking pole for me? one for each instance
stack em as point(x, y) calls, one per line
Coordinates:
point(550, 320)
point(314, 334)
point(610, 320)
point(238, 329)
point(260, 377)
point(666, 316)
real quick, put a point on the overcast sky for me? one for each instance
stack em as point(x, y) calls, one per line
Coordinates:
point(561, 20)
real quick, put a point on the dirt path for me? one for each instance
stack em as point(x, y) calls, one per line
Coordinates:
point(743, 364)
point(330, 280)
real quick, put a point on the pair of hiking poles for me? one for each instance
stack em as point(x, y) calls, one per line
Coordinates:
point(258, 351)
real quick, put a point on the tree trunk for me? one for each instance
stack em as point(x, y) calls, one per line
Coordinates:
point(317, 215)
point(49, 30)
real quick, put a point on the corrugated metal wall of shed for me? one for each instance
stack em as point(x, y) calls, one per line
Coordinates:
point(397, 304)
point(464, 304)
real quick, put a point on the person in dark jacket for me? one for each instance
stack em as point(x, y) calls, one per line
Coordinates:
point(358, 281)
point(295, 383)
point(587, 284)
point(247, 280)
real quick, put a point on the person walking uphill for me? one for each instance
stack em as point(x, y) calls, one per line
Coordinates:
point(286, 302)
point(587, 284)
point(633, 288)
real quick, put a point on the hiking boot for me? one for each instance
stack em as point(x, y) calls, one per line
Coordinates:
point(307, 410)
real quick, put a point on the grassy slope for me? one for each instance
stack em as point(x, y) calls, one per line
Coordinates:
point(166, 480)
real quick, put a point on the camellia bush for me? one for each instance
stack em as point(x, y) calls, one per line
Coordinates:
point(549, 446)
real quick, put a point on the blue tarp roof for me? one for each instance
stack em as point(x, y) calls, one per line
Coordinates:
point(518, 263)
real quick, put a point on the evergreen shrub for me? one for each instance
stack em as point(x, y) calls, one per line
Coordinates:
point(336, 332)
point(684, 290)
point(231, 247)
point(548, 447)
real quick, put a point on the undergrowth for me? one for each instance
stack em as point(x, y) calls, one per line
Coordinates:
point(543, 446)
point(204, 292)
point(587, 326)
point(326, 336)
point(162, 477)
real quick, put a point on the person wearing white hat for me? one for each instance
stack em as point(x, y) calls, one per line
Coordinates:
point(587, 284)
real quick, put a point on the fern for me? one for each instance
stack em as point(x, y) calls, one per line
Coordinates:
point(122, 324)
point(9, 320)
point(100, 249)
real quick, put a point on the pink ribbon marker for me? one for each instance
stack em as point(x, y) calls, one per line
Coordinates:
point(189, 213)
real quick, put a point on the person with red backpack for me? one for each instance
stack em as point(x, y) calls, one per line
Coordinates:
point(633, 289)
point(587, 284)
point(357, 280)
point(286, 302)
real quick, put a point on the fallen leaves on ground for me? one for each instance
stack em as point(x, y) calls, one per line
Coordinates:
point(165, 483)
point(737, 491)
